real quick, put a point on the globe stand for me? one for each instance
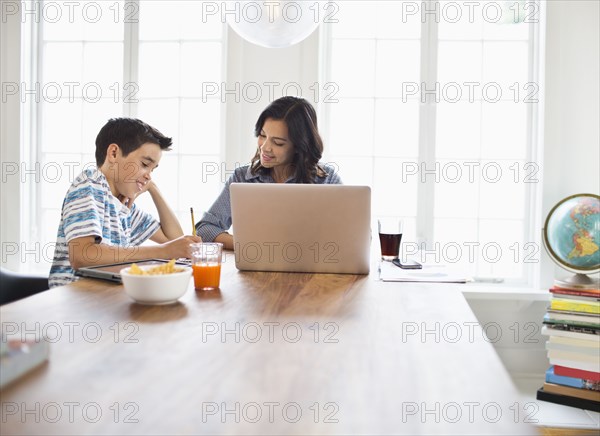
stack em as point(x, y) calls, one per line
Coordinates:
point(582, 281)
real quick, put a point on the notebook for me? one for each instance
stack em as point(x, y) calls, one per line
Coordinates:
point(301, 228)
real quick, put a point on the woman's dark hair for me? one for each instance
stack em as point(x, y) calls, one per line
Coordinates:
point(303, 133)
point(129, 134)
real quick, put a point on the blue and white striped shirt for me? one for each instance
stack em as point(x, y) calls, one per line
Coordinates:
point(90, 209)
point(218, 218)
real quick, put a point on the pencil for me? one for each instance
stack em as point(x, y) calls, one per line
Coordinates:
point(193, 221)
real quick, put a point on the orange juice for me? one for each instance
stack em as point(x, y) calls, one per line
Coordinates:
point(207, 276)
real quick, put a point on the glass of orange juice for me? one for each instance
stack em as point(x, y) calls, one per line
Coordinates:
point(206, 264)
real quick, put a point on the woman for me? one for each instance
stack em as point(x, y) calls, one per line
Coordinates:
point(289, 149)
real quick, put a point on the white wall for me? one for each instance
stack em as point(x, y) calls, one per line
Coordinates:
point(249, 64)
point(572, 128)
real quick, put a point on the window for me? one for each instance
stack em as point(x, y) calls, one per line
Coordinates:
point(434, 107)
point(442, 99)
point(177, 54)
point(91, 61)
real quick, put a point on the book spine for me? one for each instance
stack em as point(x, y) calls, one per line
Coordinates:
point(551, 377)
point(571, 319)
point(575, 306)
point(583, 351)
point(578, 373)
point(585, 366)
point(586, 295)
point(568, 401)
point(573, 382)
point(570, 331)
point(582, 292)
point(572, 392)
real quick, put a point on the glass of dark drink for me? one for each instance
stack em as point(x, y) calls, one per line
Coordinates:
point(390, 236)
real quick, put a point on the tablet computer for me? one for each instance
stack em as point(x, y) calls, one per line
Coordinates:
point(112, 271)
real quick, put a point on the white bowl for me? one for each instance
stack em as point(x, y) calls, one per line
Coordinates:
point(158, 288)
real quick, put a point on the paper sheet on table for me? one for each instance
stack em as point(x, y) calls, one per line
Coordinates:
point(388, 272)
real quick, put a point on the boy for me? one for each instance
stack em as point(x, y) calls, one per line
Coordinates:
point(100, 223)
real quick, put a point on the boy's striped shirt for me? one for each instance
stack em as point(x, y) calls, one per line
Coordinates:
point(90, 209)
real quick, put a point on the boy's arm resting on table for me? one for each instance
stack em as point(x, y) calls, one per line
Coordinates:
point(170, 228)
point(85, 251)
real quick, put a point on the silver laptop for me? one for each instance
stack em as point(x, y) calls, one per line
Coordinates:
point(301, 228)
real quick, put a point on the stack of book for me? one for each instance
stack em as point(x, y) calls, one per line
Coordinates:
point(572, 323)
point(19, 357)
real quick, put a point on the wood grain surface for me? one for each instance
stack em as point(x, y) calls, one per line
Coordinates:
point(268, 353)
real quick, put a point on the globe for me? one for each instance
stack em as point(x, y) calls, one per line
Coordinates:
point(571, 236)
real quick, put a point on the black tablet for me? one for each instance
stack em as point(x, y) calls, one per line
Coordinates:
point(112, 271)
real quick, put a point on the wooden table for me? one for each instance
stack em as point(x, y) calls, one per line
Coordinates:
point(270, 353)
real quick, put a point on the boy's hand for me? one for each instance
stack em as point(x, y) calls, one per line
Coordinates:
point(180, 247)
point(129, 201)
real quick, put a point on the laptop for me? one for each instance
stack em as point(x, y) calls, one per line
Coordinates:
point(301, 228)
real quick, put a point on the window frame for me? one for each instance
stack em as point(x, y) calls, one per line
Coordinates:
point(32, 64)
point(427, 136)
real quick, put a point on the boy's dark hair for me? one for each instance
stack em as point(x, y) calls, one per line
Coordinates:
point(129, 134)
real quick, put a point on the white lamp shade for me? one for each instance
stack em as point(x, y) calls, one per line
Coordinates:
point(274, 24)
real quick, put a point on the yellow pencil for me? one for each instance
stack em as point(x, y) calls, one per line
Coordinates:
point(193, 221)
